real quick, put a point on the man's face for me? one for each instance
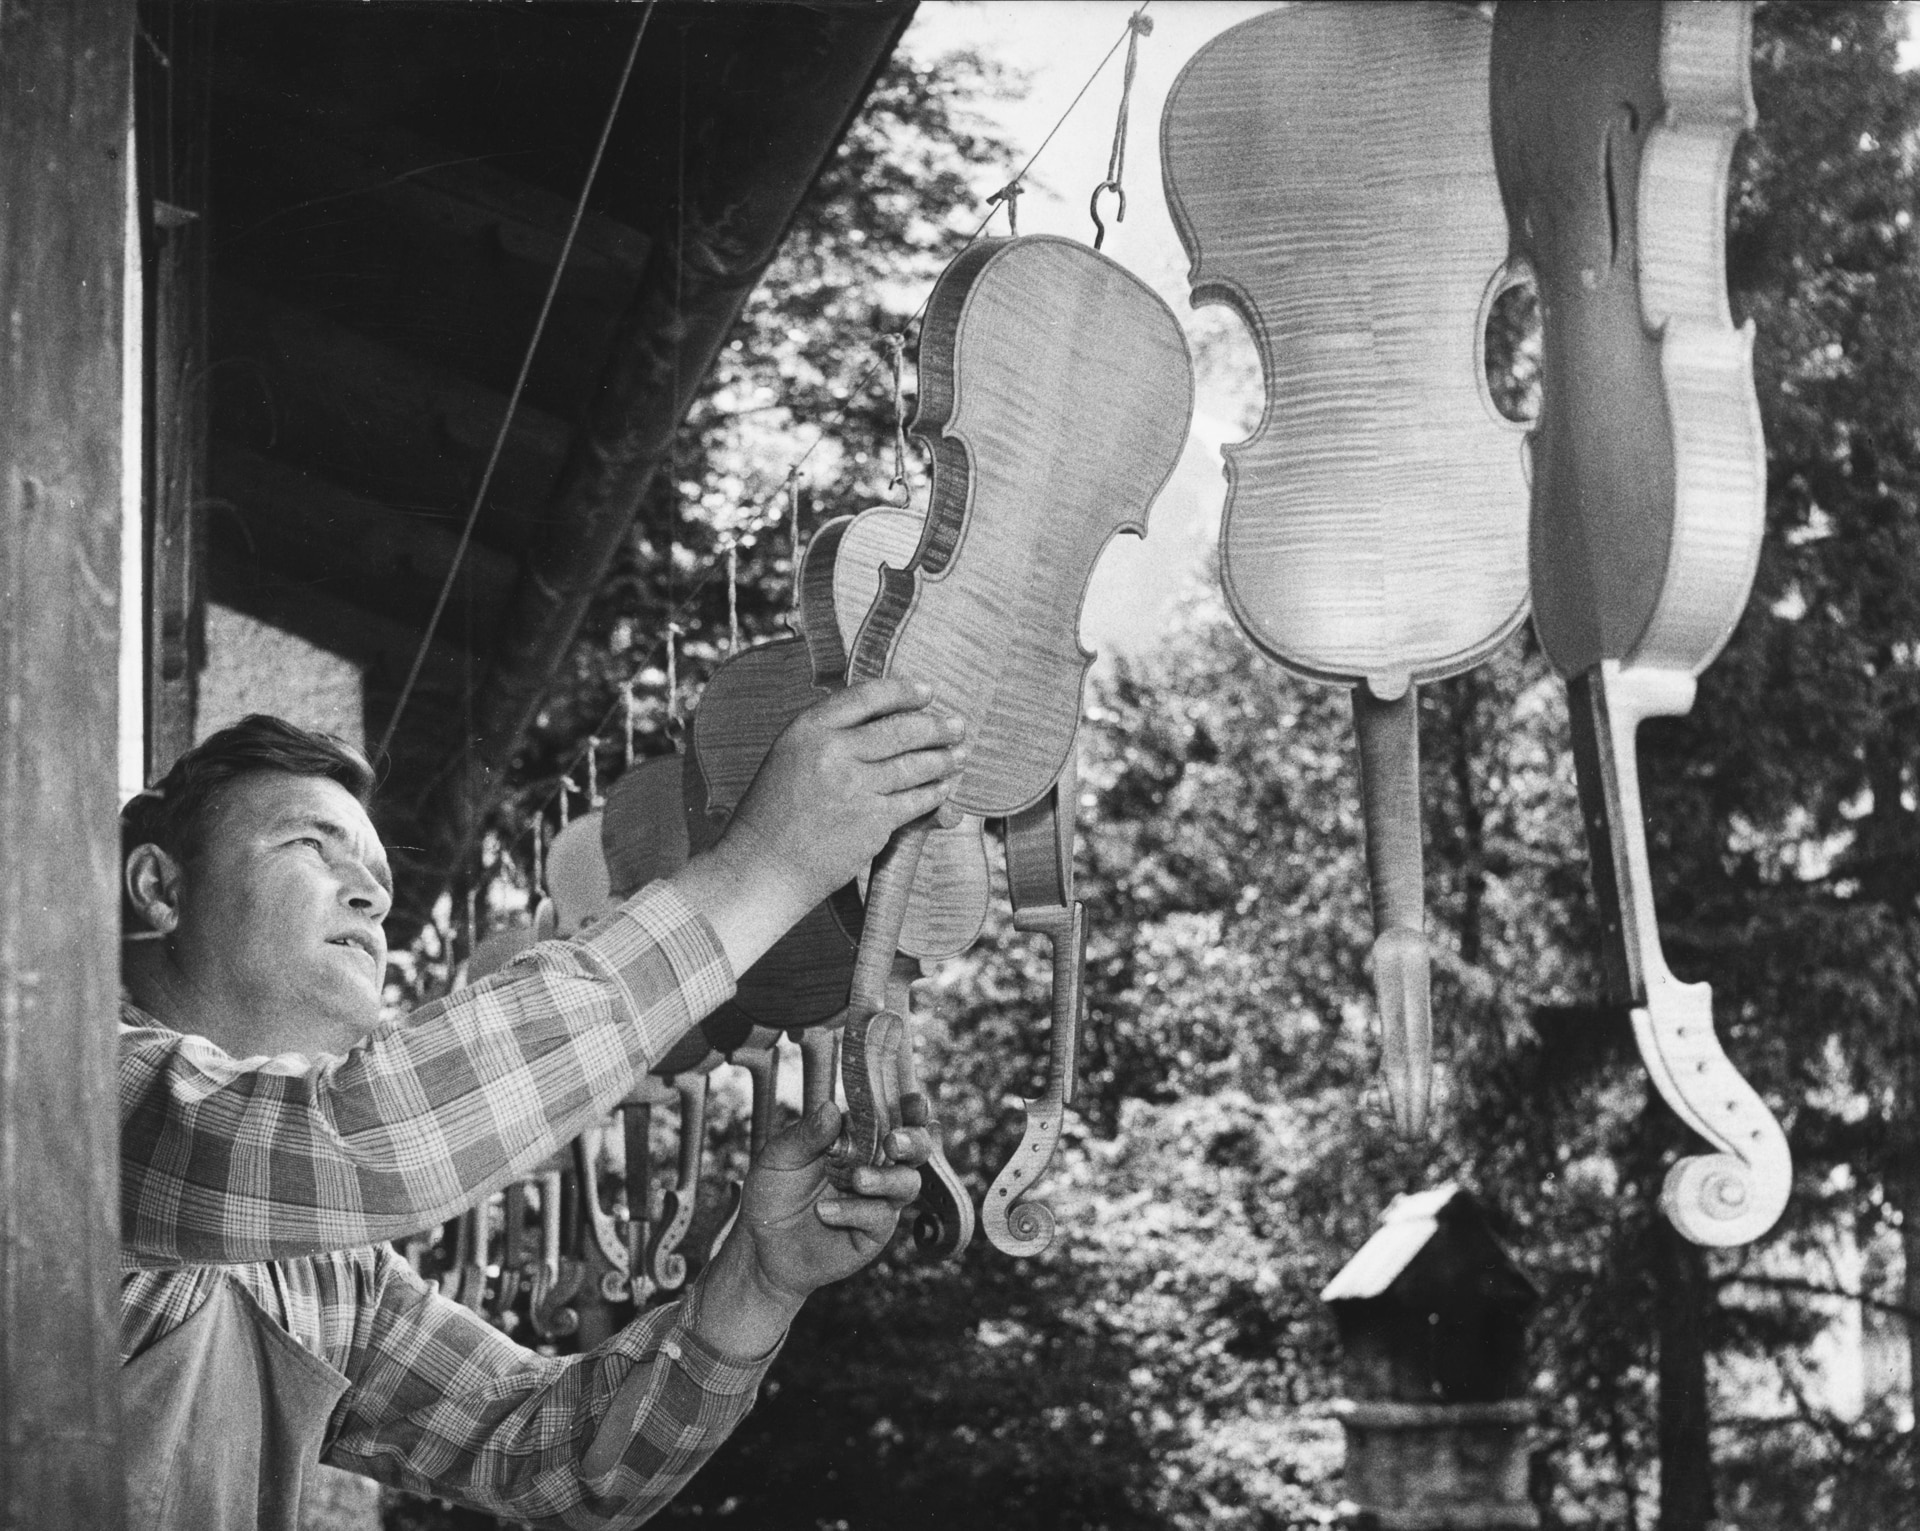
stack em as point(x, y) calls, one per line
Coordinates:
point(279, 930)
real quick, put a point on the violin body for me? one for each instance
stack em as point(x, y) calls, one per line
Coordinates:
point(1328, 170)
point(1055, 395)
point(1613, 134)
point(643, 825)
point(1375, 525)
point(577, 878)
point(804, 978)
point(839, 582)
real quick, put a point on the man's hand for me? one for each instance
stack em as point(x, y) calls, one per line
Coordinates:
point(844, 775)
point(796, 1232)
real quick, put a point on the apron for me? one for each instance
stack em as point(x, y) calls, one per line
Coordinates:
point(221, 1420)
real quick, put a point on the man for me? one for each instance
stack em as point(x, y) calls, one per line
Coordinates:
point(273, 1134)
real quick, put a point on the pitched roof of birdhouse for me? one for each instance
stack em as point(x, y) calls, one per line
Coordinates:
point(1407, 1229)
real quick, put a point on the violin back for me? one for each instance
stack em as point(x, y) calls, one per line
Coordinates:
point(1328, 170)
point(804, 978)
point(1055, 394)
point(1612, 131)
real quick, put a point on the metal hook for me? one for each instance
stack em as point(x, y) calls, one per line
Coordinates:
point(1093, 210)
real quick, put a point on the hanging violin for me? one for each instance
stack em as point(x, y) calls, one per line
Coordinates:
point(839, 582)
point(1055, 395)
point(1328, 170)
point(1040, 842)
point(1613, 130)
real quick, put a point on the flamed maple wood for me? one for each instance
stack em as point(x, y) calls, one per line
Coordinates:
point(839, 581)
point(1375, 529)
point(1613, 135)
point(1055, 394)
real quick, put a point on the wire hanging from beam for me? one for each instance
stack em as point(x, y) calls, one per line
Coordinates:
point(519, 386)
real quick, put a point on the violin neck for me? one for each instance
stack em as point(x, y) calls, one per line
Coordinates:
point(1389, 734)
point(1606, 705)
point(888, 892)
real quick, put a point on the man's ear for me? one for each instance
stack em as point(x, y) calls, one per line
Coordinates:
point(153, 888)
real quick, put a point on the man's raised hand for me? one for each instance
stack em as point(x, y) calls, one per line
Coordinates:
point(843, 777)
point(840, 779)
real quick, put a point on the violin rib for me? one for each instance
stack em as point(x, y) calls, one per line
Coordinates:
point(1613, 136)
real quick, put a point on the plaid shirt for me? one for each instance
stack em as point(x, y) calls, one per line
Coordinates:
point(281, 1174)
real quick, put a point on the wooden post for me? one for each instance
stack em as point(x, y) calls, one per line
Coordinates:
point(64, 100)
point(173, 75)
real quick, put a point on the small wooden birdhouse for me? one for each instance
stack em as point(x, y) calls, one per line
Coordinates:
point(1432, 1315)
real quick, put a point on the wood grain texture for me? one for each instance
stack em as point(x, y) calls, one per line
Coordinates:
point(839, 582)
point(804, 978)
point(1613, 137)
point(1055, 394)
point(1327, 168)
point(64, 96)
point(1650, 468)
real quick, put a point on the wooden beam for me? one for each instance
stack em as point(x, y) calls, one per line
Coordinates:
point(790, 88)
point(64, 95)
point(440, 256)
point(372, 558)
point(404, 432)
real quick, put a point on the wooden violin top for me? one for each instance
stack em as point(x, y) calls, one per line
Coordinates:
point(1612, 132)
point(1055, 393)
point(839, 581)
point(1328, 169)
point(804, 978)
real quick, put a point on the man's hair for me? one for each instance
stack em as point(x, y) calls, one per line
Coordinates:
point(173, 812)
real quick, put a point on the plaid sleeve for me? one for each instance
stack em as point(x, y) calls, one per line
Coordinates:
point(224, 1160)
point(441, 1403)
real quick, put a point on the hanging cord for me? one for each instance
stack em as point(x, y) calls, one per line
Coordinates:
point(539, 854)
point(767, 511)
point(733, 599)
point(626, 702)
point(793, 538)
point(519, 386)
point(1138, 26)
point(674, 727)
point(1010, 194)
point(898, 485)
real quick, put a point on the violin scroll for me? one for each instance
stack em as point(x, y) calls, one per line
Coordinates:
point(1735, 1195)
